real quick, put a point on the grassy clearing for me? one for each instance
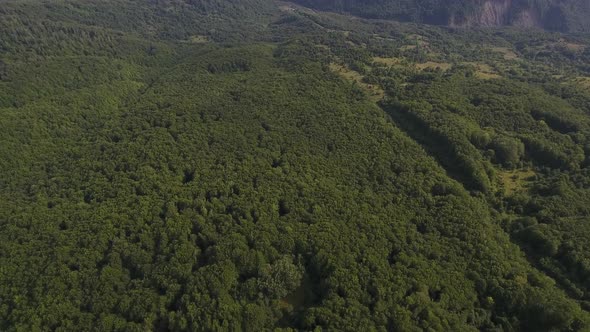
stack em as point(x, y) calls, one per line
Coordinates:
point(515, 180)
point(418, 39)
point(434, 65)
point(376, 36)
point(507, 53)
point(414, 41)
point(198, 39)
point(484, 71)
point(374, 92)
point(583, 82)
point(407, 47)
point(575, 47)
point(387, 61)
point(346, 73)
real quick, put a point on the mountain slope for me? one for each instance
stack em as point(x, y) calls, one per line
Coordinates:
point(209, 177)
point(552, 15)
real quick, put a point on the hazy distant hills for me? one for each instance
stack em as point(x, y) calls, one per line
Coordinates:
point(568, 15)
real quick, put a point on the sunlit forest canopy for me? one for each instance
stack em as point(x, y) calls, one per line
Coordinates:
point(254, 165)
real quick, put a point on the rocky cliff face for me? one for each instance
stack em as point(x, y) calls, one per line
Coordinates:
point(493, 13)
point(496, 13)
point(558, 15)
point(527, 18)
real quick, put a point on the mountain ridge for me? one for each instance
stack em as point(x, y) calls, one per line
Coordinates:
point(563, 16)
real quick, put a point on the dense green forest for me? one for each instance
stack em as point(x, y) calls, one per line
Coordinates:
point(254, 165)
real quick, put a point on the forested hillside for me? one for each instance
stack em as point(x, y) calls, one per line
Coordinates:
point(257, 165)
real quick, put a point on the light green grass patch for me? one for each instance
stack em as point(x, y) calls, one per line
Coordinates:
point(374, 92)
point(515, 180)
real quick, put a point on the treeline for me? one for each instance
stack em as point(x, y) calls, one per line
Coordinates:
point(77, 25)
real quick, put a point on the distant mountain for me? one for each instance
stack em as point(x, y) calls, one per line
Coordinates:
point(557, 15)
